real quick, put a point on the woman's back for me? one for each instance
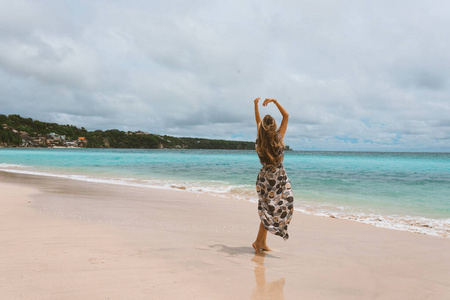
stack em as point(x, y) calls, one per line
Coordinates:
point(277, 152)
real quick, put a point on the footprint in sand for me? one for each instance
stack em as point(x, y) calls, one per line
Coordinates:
point(95, 261)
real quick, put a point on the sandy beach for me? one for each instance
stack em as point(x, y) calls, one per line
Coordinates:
point(68, 239)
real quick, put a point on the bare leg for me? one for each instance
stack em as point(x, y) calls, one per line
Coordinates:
point(260, 243)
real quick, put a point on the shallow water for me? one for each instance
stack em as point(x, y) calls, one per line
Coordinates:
point(406, 191)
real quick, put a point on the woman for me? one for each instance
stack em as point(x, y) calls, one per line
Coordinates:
point(275, 199)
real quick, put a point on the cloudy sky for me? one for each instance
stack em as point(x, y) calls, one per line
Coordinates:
point(354, 75)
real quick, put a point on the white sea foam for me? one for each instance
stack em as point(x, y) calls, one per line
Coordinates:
point(429, 226)
point(212, 187)
point(7, 167)
point(436, 227)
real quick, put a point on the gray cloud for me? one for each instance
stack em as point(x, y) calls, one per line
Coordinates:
point(354, 75)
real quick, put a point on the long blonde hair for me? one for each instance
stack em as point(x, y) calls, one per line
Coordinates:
point(270, 143)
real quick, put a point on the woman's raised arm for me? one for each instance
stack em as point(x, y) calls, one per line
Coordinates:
point(284, 113)
point(257, 117)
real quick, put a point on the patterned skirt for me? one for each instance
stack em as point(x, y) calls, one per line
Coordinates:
point(275, 199)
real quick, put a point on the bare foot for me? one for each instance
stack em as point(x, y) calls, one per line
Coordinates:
point(256, 247)
point(265, 248)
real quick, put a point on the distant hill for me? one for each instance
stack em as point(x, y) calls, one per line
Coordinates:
point(16, 131)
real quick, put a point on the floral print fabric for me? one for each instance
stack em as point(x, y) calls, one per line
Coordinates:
point(275, 199)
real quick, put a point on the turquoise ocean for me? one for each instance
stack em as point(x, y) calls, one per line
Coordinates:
point(403, 191)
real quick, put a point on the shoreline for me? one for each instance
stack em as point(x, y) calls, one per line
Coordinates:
point(80, 240)
point(291, 150)
point(406, 223)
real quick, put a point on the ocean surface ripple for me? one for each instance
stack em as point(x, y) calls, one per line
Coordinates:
point(403, 191)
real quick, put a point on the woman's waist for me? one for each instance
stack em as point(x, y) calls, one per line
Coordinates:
point(272, 168)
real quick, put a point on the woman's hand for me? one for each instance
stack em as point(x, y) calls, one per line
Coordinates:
point(268, 100)
point(256, 100)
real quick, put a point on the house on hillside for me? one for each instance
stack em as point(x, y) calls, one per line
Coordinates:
point(82, 140)
point(26, 139)
point(141, 133)
point(71, 144)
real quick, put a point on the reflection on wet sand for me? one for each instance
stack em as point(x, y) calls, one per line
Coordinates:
point(263, 289)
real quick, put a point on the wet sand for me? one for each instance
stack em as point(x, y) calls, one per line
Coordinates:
point(68, 239)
